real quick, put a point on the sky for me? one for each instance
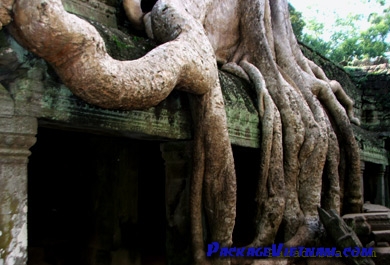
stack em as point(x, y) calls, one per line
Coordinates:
point(326, 11)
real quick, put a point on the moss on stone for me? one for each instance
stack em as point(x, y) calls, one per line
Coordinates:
point(122, 46)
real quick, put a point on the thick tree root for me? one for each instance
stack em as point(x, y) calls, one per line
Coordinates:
point(270, 193)
point(307, 142)
point(85, 67)
point(213, 186)
point(304, 97)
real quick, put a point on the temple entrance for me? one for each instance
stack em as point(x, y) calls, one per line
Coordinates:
point(370, 182)
point(376, 189)
point(95, 200)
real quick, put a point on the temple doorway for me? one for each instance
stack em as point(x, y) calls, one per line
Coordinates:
point(95, 199)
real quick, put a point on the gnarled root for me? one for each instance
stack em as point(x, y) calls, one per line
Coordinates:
point(337, 90)
point(309, 108)
point(345, 100)
point(185, 61)
point(305, 131)
point(213, 185)
point(85, 67)
point(270, 192)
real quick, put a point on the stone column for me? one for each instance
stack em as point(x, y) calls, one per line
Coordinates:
point(380, 184)
point(17, 135)
point(177, 156)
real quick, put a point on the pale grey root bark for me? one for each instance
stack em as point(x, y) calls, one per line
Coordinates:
point(306, 135)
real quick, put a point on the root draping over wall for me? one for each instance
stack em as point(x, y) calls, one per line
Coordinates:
point(306, 132)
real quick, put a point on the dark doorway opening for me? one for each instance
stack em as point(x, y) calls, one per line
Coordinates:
point(246, 161)
point(370, 182)
point(95, 200)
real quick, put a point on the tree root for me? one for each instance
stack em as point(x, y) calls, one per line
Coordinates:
point(270, 193)
point(5, 12)
point(307, 142)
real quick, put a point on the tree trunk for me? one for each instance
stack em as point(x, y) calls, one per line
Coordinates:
point(305, 118)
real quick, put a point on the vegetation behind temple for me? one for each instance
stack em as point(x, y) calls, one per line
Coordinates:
point(348, 42)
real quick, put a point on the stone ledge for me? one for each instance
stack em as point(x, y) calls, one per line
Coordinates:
point(382, 255)
point(381, 236)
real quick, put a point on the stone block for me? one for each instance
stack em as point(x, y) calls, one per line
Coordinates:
point(381, 236)
point(374, 208)
point(382, 255)
point(376, 222)
point(6, 103)
point(93, 10)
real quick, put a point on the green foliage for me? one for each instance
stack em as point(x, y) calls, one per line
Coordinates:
point(374, 38)
point(381, 2)
point(296, 20)
point(316, 44)
point(347, 41)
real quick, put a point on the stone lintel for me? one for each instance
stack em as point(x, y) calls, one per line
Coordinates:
point(55, 106)
point(374, 155)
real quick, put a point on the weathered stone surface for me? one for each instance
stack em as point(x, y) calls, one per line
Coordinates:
point(9, 61)
point(373, 84)
point(374, 208)
point(38, 92)
point(341, 234)
point(372, 146)
point(338, 230)
point(360, 226)
point(381, 236)
point(382, 255)
point(376, 221)
point(95, 10)
point(7, 104)
point(17, 135)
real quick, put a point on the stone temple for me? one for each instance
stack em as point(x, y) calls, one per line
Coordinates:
point(84, 185)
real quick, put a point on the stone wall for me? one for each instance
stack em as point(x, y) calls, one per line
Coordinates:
point(373, 84)
point(31, 94)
